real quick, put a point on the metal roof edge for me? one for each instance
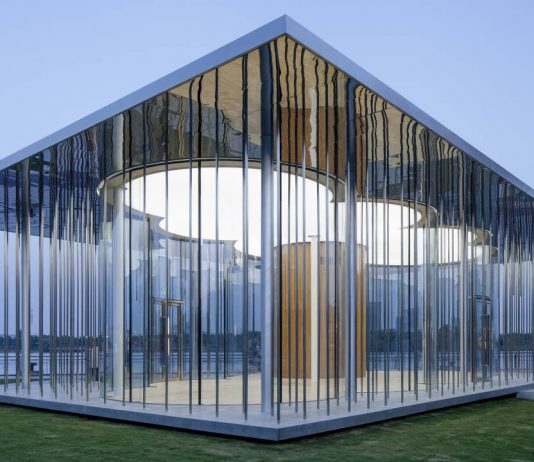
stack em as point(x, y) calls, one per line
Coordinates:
point(280, 26)
point(216, 58)
point(345, 64)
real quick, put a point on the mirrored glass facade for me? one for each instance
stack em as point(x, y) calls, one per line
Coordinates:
point(268, 240)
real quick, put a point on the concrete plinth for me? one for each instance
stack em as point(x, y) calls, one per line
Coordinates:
point(526, 394)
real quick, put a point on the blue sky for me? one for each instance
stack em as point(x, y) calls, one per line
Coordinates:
point(468, 63)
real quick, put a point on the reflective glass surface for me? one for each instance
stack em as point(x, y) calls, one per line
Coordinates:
point(269, 237)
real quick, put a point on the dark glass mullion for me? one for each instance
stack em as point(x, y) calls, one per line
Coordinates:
point(198, 308)
point(294, 161)
point(484, 289)
point(531, 285)
point(511, 285)
point(451, 258)
point(267, 271)
point(368, 270)
point(528, 289)
point(130, 290)
point(244, 342)
point(527, 277)
point(402, 263)
point(41, 274)
point(79, 245)
point(499, 256)
point(86, 281)
point(190, 247)
point(123, 270)
point(217, 251)
point(318, 233)
point(289, 352)
point(78, 276)
point(65, 271)
point(278, 196)
point(521, 270)
point(336, 236)
point(520, 282)
point(71, 268)
point(327, 237)
point(506, 252)
point(78, 273)
point(517, 283)
point(385, 251)
point(523, 299)
point(451, 269)
point(167, 263)
point(400, 270)
point(514, 278)
point(415, 266)
point(411, 266)
point(305, 269)
point(60, 320)
point(427, 268)
point(53, 268)
point(5, 175)
point(17, 277)
point(147, 274)
point(104, 288)
point(60, 268)
point(439, 253)
point(375, 320)
point(363, 254)
point(350, 255)
point(472, 302)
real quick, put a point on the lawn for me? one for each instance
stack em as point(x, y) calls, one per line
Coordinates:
point(492, 430)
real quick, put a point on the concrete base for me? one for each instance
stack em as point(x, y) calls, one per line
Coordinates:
point(260, 426)
point(526, 394)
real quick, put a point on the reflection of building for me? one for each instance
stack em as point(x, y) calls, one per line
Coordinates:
point(268, 242)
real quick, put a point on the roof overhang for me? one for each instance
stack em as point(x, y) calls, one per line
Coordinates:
point(283, 25)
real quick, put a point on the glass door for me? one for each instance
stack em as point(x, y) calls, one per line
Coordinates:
point(481, 338)
point(166, 343)
point(175, 344)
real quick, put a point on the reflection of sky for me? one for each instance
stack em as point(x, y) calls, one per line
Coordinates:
point(180, 284)
point(445, 57)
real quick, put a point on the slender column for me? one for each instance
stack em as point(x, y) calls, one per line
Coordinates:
point(314, 250)
point(314, 307)
point(351, 272)
point(117, 256)
point(25, 273)
point(267, 230)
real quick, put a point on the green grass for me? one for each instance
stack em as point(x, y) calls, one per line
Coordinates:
point(493, 430)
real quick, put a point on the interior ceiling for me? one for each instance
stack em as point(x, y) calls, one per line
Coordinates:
point(290, 58)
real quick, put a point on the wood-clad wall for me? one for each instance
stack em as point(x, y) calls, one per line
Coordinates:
point(293, 312)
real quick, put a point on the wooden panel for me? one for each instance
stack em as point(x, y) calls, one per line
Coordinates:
point(293, 313)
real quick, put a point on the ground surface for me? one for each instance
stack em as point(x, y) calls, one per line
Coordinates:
point(493, 430)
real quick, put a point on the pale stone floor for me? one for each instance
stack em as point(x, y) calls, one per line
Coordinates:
point(231, 389)
point(231, 399)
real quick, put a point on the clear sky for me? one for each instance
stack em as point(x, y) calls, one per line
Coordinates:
point(468, 63)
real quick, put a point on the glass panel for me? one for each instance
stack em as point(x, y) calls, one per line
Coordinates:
point(270, 232)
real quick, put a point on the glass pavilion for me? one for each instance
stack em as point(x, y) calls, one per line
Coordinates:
point(267, 239)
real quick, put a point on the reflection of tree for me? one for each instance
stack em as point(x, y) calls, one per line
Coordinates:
point(515, 341)
point(447, 339)
point(388, 340)
point(34, 343)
